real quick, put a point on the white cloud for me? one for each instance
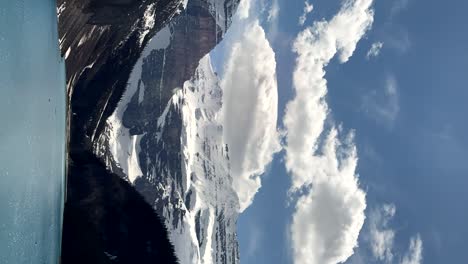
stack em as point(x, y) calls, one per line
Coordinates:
point(307, 9)
point(383, 106)
point(374, 51)
point(381, 236)
point(243, 10)
point(250, 103)
point(330, 213)
point(316, 46)
point(273, 12)
point(396, 36)
point(414, 254)
point(327, 220)
point(273, 26)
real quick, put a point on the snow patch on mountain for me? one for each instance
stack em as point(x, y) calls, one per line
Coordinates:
point(161, 40)
point(206, 168)
point(126, 148)
point(148, 22)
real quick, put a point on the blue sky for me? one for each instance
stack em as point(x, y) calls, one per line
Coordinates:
point(407, 108)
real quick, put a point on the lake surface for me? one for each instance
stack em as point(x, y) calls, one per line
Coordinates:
point(32, 132)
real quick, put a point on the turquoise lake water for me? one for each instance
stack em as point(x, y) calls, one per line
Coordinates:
point(32, 132)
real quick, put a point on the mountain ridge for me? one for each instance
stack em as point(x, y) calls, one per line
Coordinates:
point(148, 138)
point(153, 120)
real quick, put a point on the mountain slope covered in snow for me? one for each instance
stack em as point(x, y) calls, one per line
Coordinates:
point(164, 136)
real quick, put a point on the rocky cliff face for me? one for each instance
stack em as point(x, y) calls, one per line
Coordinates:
point(164, 137)
point(143, 99)
point(101, 40)
point(106, 220)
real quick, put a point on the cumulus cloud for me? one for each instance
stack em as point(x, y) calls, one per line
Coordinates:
point(414, 254)
point(381, 235)
point(316, 46)
point(307, 9)
point(328, 219)
point(329, 212)
point(383, 106)
point(374, 51)
point(250, 103)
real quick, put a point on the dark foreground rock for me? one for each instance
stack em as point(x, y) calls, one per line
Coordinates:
point(107, 221)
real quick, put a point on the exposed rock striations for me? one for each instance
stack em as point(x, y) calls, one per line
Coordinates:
point(165, 139)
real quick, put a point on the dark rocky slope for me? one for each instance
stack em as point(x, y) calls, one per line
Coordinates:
point(101, 40)
point(106, 220)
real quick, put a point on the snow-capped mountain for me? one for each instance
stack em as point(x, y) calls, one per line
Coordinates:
point(212, 203)
point(186, 175)
point(148, 107)
point(164, 136)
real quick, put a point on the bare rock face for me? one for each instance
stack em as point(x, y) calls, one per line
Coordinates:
point(194, 33)
point(101, 40)
point(106, 220)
